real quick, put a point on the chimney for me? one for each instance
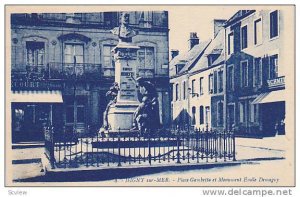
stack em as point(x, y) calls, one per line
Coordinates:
point(194, 40)
point(218, 25)
point(174, 53)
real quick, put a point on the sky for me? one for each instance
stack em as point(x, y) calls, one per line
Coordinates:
point(183, 20)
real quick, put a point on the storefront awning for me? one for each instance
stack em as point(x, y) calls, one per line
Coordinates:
point(37, 96)
point(270, 97)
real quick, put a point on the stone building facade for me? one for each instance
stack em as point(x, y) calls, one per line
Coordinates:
point(255, 47)
point(238, 80)
point(68, 57)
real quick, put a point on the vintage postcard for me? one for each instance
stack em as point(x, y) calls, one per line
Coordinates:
point(185, 95)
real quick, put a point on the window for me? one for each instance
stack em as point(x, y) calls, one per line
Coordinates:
point(146, 16)
point(35, 53)
point(111, 19)
point(201, 115)
point(215, 82)
point(230, 77)
point(242, 106)
point(193, 88)
point(207, 115)
point(253, 112)
point(258, 31)
point(273, 67)
point(201, 86)
point(184, 90)
point(220, 81)
point(176, 92)
point(69, 109)
point(108, 57)
point(75, 110)
point(179, 67)
point(73, 53)
point(244, 73)
point(220, 114)
point(210, 83)
point(244, 37)
point(146, 57)
point(230, 43)
point(274, 24)
point(193, 115)
point(257, 72)
point(80, 102)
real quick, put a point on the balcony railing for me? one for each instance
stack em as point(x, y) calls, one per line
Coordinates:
point(57, 70)
point(86, 71)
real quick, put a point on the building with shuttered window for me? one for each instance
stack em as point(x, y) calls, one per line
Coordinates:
point(62, 66)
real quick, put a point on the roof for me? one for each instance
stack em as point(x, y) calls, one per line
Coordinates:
point(238, 16)
point(214, 48)
point(188, 58)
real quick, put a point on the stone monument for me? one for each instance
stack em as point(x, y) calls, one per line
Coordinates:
point(120, 114)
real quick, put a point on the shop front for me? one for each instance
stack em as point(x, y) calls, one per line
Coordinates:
point(272, 108)
point(31, 111)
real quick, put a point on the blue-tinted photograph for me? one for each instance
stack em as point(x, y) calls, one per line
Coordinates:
point(165, 96)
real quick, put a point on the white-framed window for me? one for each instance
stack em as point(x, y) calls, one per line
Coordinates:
point(244, 37)
point(210, 83)
point(257, 72)
point(146, 57)
point(35, 53)
point(201, 85)
point(258, 31)
point(244, 73)
point(243, 111)
point(108, 57)
point(253, 112)
point(274, 24)
point(73, 53)
point(193, 87)
point(207, 115)
point(230, 48)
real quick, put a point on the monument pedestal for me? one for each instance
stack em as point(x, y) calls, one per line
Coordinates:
point(120, 115)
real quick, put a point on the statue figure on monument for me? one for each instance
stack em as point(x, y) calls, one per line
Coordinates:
point(146, 116)
point(124, 31)
point(111, 95)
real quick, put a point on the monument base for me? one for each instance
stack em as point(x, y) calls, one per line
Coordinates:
point(120, 116)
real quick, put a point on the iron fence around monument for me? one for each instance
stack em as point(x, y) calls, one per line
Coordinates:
point(175, 147)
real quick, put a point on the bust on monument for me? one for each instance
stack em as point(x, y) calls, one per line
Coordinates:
point(124, 31)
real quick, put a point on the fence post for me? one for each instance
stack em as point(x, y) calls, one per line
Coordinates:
point(233, 143)
point(52, 157)
point(206, 143)
point(178, 151)
point(119, 148)
point(224, 145)
point(149, 147)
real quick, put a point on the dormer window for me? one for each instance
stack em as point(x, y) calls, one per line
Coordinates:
point(179, 67)
point(73, 18)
